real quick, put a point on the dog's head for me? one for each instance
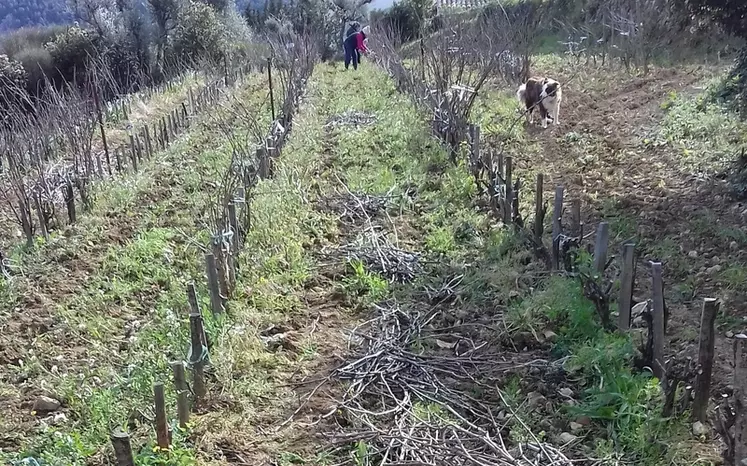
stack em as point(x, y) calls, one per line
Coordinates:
point(550, 88)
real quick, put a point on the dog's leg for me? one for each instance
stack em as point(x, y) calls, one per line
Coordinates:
point(543, 115)
point(556, 116)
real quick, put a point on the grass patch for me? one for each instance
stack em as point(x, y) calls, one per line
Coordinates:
point(707, 135)
point(623, 405)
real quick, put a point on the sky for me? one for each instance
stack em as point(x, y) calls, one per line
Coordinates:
point(380, 4)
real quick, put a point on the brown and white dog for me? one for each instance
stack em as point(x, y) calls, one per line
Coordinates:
point(543, 94)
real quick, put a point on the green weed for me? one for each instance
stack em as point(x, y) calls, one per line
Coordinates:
point(363, 285)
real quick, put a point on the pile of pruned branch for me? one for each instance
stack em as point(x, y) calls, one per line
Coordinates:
point(402, 406)
point(374, 250)
point(351, 118)
point(354, 208)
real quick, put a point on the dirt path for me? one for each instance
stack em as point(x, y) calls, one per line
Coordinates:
point(606, 151)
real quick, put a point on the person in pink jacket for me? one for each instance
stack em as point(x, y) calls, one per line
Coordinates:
point(360, 44)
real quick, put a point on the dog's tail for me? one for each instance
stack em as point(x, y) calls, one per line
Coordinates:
point(521, 93)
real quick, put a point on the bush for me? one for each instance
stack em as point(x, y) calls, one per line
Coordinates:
point(39, 66)
point(198, 34)
point(11, 72)
point(12, 76)
point(403, 18)
point(72, 50)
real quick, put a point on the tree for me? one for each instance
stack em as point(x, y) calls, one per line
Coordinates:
point(732, 16)
point(198, 34)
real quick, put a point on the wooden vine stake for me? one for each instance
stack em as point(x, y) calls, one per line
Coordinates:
point(706, 347)
point(233, 256)
point(216, 301)
point(162, 426)
point(740, 397)
point(658, 323)
point(134, 152)
point(577, 227)
point(182, 402)
point(264, 163)
point(198, 341)
point(539, 210)
point(600, 247)
point(508, 213)
point(627, 279)
point(557, 226)
point(69, 196)
point(122, 448)
point(220, 268)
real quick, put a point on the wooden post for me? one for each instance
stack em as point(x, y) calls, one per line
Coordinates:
point(740, 396)
point(118, 155)
point(475, 132)
point(658, 323)
point(600, 247)
point(234, 223)
point(706, 347)
point(139, 146)
point(198, 341)
point(26, 222)
point(508, 208)
point(134, 152)
point(69, 196)
point(40, 217)
point(557, 226)
point(576, 225)
point(122, 448)
point(264, 163)
point(221, 266)
point(182, 402)
point(269, 80)
point(148, 146)
point(627, 278)
point(97, 103)
point(216, 301)
point(539, 211)
point(166, 130)
point(162, 426)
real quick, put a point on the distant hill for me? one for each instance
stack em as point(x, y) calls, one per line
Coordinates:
point(16, 14)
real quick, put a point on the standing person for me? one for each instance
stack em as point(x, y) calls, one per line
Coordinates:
point(350, 43)
point(360, 44)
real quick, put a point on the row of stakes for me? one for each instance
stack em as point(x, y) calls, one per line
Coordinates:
point(198, 352)
point(196, 360)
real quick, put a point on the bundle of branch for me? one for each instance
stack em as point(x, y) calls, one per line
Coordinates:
point(411, 407)
point(374, 250)
point(351, 118)
point(354, 208)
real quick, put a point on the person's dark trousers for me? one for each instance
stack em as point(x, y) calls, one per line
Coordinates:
point(358, 53)
point(351, 54)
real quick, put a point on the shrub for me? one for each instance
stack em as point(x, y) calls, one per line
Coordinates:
point(198, 34)
point(72, 50)
point(38, 65)
point(403, 18)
